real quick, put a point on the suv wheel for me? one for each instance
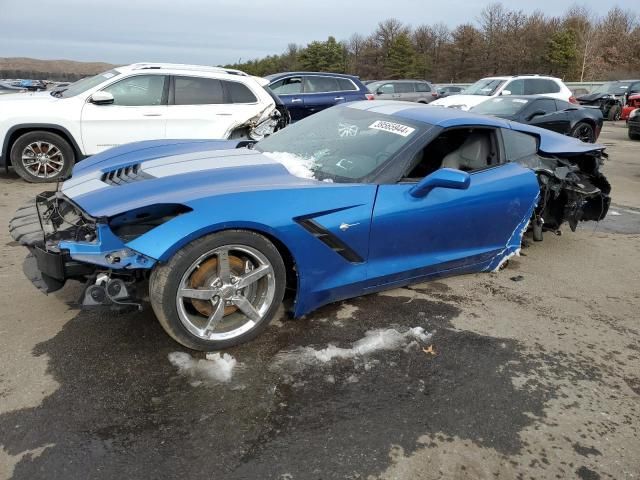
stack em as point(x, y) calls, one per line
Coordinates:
point(41, 157)
point(614, 113)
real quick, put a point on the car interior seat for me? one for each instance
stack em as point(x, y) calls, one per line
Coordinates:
point(473, 154)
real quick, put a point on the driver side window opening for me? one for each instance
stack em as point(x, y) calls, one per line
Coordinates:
point(466, 149)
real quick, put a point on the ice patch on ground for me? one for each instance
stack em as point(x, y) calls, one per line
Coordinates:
point(215, 367)
point(346, 311)
point(373, 341)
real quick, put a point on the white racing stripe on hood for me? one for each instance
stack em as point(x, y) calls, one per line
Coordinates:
point(201, 161)
point(168, 166)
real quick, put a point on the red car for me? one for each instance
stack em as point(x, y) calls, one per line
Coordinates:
point(633, 102)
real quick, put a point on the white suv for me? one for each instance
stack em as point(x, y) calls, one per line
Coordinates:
point(490, 87)
point(42, 134)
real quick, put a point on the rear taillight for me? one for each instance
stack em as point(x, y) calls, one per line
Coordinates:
point(434, 94)
point(370, 96)
point(573, 99)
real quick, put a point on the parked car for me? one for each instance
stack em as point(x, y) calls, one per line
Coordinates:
point(369, 196)
point(6, 88)
point(306, 93)
point(419, 91)
point(30, 85)
point(563, 117)
point(490, 87)
point(611, 97)
point(43, 134)
point(446, 90)
point(634, 124)
point(633, 102)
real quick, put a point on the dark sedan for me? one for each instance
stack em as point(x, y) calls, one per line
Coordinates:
point(545, 112)
point(634, 124)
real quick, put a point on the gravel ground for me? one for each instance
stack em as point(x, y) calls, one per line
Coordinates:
point(532, 372)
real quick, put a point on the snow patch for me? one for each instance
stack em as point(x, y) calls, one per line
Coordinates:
point(346, 311)
point(296, 165)
point(373, 341)
point(614, 213)
point(215, 367)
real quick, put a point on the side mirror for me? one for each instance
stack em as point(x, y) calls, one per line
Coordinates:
point(379, 91)
point(101, 98)
point(506, 92)
point(537, 113)
point(442, 178)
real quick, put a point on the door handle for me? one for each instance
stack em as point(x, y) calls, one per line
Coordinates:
point(339, 98)
point(296, 100)
point(152, 114)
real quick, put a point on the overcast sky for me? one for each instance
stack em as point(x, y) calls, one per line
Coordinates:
point(217, 31)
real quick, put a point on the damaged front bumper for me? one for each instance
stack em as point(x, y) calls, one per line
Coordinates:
point(67, 244)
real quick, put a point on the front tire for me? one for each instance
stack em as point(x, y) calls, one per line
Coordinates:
point(41, 156)
point(584, 132)
point(219, 291)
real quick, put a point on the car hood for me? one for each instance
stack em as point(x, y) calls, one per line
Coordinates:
point(24, 97)
point(595, 96)
point(454, 100)
point(126, 178)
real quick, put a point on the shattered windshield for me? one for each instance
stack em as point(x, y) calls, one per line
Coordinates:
point(486, 86)
point(504, 106)
point(341, 144)
point(85, 84)
point(615, 88)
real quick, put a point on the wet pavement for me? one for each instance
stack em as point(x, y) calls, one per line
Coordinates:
point(531, 373)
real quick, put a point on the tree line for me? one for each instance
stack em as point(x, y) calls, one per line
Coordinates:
point(29, 74)
point(577, 46)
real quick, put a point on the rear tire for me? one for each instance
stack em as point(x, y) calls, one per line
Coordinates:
point(41, 157)
point(584, 131)
point(634, 136)
point(208, 321)
point(614, 113)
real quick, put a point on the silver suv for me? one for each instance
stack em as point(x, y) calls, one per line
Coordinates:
point(419, 91)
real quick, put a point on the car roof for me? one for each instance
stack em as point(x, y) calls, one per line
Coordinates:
point(440, 116)
point(180, 67)
point(322, 74)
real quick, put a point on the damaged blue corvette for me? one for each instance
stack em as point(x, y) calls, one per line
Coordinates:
point(359, 198)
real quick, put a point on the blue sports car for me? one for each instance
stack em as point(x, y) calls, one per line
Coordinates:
point(359, 198)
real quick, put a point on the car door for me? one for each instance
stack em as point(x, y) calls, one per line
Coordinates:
point(423, 92)
point(543, 113)
point(290, 91)
point(138, 112)
point(386, 91)
point(203, 107)
point(350, 90)
point(405, 91)
point(321, 92)
point(448, 230)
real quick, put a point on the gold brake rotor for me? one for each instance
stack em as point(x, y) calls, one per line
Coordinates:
point(203, 277)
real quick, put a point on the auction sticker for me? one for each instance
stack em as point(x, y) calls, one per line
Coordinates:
point(392, 127)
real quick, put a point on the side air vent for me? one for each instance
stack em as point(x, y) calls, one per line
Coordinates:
point(128, 174)
point(330, 240)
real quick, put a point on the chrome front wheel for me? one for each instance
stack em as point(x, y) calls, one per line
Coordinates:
point(220, 290)
point(225, 292)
